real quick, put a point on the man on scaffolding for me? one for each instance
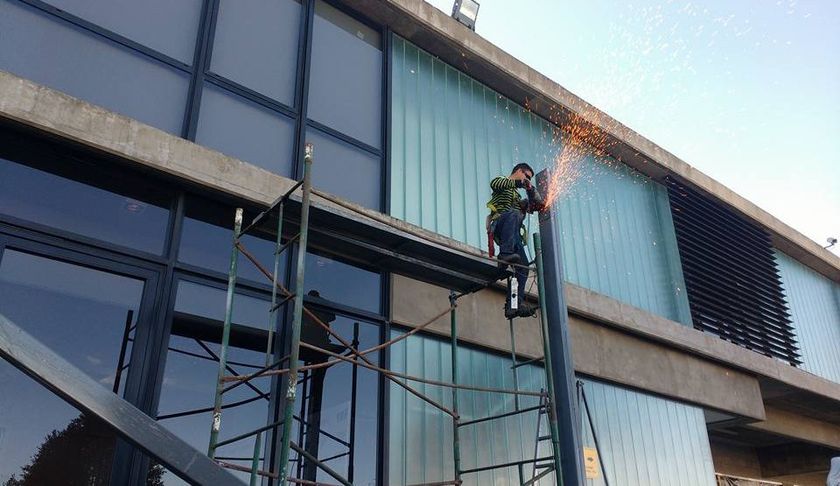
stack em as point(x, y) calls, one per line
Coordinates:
point(504, 227)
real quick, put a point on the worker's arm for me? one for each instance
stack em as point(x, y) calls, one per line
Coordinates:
point(502, 183)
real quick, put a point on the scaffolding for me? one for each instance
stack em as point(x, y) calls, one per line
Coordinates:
point(288, 368)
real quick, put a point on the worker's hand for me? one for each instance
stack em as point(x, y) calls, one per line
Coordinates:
point(523, 183)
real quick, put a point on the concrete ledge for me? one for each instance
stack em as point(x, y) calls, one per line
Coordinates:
point(799, 427)
point(439, 34)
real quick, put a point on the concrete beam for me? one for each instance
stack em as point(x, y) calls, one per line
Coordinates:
point(799, 427)
point(598, 351)
point(794, 459)
point(441, 35)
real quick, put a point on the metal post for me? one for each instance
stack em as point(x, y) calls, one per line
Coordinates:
point(554, 429)
point(558, 359)
point(272, 321)
point(515, 371)
point(453, 331)
point(354, 385)
point(288, 406)
point(217, 404)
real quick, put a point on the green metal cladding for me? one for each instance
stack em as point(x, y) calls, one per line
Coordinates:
point(814, 302)
point(451, 134)
point(644, 439)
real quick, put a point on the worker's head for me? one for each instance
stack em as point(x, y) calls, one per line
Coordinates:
point(522, 171)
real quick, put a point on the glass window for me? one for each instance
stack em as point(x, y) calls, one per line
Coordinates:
point(207, 239)
point(245, 130)
point(339, 282)
point(256, 45)
point(347, 50)
point(131, 214)
point(192, 369)
point(209, 302)
point(54, 53)
point(340, 403)
point(89, 318)
point(345, 170)
point(45, 440)
point(165, 26)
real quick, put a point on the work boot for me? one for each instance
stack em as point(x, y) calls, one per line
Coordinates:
point(524, 309)
point(509, 258)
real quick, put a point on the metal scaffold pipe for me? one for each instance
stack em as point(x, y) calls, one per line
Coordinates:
point(217, 404)
point(297, 317)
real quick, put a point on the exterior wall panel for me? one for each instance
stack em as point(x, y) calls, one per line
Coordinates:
point(451, 135)
point(814, 303)
point(645, 440)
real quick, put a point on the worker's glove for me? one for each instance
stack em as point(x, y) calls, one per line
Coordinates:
point(523, 183)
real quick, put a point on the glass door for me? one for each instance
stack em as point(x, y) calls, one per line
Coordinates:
point(94, 313)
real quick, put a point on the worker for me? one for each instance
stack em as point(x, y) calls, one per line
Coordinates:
point(504, 223)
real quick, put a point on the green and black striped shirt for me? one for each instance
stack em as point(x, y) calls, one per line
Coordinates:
point(505, 196)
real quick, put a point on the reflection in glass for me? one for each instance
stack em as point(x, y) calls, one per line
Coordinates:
point(342, 283)
point(52, 52)
point(347, 50)
point(86, 316)
point(245, 130)
point(192, 368)
point(207, 239)
point(133, 217)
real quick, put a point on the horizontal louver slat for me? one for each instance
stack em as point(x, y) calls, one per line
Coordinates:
point(732, 279)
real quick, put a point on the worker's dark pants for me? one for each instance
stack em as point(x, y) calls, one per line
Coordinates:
point(506, 233)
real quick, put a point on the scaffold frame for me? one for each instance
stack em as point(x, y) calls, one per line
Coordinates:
point(280, 296)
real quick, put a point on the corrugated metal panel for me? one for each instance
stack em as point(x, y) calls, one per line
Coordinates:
point(814, 302)
point(645, 440)
point(451, 134)
point(420, 436)
point(618, 238)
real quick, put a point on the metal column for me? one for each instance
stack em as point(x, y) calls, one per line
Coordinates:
point(558, 356)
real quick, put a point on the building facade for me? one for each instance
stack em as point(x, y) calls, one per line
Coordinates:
point(706, 333)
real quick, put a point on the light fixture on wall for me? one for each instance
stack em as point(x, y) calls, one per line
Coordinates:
point(831, 242)
point(465, 11)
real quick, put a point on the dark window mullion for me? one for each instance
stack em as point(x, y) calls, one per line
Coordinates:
point(344, 138)
point(201, 63)
point(248, 94)
point(302, 83)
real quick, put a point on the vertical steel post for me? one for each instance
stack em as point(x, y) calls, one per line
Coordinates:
point(217, 403)
point(272, 321)
point(554, 429)
point(515, 370)
point(453, 335)
point(354, 386)
point(558, 356)
point(289, 405)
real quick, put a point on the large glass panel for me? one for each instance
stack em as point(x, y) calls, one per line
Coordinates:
point(245, 130)
point(345, 49)
point(89, 318)
point(166, 26)
point(192, 369)
point(53, 52)
point(339, 404)
point(339, 282)
point(128, 213)
point(45, 441)
point(207, 239)
point(256, 45)
point(345, 170)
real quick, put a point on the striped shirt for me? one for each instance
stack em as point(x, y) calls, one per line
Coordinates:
point(505, 196)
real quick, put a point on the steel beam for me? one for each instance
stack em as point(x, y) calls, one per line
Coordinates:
point(78, 389)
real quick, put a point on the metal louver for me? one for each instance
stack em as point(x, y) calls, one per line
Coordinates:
point(733, 283)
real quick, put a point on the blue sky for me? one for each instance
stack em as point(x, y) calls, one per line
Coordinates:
point(747, 91)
